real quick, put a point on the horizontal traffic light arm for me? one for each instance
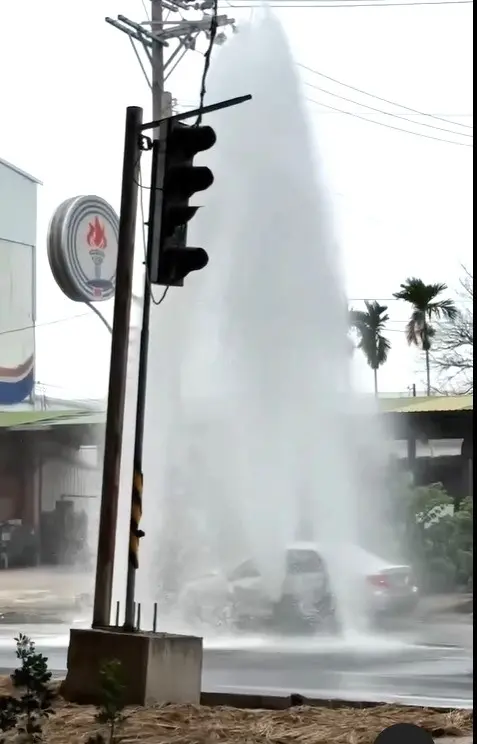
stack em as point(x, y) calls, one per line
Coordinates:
point(195, 112)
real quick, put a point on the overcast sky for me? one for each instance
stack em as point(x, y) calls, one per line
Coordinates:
point(403, 202)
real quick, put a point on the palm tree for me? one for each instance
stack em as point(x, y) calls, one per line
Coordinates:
point(369, 325)
point(426, 307)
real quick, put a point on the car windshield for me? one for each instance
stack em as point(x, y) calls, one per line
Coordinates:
point(303, 561)
point(246, 570)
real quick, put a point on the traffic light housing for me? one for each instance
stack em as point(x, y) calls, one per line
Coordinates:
point(172, 259)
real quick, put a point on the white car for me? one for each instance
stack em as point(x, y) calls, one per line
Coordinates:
point(307, 594)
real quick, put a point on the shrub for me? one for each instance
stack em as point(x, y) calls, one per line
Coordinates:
point(27, 711)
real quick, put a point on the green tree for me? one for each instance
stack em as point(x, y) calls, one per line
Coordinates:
point(369, 325)
point(426, 307)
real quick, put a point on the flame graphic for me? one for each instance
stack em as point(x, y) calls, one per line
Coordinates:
point(96, 237)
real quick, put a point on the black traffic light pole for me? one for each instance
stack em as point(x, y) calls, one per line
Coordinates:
point(154, 237)
point(154, 219)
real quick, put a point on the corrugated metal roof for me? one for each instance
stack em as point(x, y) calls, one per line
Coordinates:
point(435, 403)
point(43, 419)
point(20, 171)
point(46, 419)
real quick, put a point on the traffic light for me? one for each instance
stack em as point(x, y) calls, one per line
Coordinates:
point(172, 260)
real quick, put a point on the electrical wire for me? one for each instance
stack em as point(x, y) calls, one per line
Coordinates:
point(207, 58)
point(315, 4)
point(379, 98)
point(388, 113)
point(144, 7)
point(185, 104)
point(148, 282)
point(34, 326)
point(390, 126)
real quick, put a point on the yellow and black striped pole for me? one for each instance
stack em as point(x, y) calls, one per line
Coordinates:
point(136, 513)
point(135, 535)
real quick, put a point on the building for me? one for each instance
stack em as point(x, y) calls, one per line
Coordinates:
point(18, 225)
point(48, 474)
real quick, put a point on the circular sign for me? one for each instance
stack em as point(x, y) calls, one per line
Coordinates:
point(409, 733)
point(83, 248)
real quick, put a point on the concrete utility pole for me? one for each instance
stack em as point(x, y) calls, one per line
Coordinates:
point(157, 62)
point(158, 110)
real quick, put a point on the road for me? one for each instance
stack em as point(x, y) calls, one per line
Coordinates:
point(359, 669)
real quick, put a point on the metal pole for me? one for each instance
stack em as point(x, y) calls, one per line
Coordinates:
point(136, 496)
point(118, 371)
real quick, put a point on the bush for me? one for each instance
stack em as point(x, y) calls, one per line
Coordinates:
point(438, 538)
point(26, 712)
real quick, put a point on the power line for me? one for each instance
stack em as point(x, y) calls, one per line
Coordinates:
point(389, 126)
point(379, 98)
point(183, 104)
point(34, 326)
point(333, 109)
point(411, 121)
point(388, 113)
point(316, 4)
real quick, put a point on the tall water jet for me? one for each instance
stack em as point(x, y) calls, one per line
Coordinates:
point(249, 400)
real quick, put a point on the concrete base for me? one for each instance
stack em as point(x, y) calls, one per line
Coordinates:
point(157, 667)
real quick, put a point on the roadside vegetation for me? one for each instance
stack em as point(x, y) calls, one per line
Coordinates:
point(33, 712)
point(436, 532)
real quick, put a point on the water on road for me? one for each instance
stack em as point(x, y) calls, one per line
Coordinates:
point(401, 670)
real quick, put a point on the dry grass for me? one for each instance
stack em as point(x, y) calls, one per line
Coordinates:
point(186, 724)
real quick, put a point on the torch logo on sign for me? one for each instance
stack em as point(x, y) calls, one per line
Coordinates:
point(97, 242)
point(83, 248)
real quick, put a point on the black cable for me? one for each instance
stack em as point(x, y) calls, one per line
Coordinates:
point(389, 126)
point(207, 58)
point(379, 98)
point(148, 282)
point(388, 113)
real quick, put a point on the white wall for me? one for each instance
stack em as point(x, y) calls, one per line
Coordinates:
point(75, 474)
point(72, 473)
point(18, 216)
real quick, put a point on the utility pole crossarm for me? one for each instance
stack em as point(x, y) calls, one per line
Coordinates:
point(156, 32)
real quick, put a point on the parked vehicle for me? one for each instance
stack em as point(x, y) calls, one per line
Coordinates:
point(18, 545)
point(307, 594)
point(389, 588)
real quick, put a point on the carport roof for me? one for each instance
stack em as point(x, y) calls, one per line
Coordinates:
point(44, 419)
point(406, 405)
point(432, 404)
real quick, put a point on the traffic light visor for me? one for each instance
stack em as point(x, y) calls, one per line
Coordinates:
point(185, 141)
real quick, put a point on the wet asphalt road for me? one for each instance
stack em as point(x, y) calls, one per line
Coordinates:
point(378, 669)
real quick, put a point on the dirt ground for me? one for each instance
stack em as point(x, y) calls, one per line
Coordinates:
point(186, 724)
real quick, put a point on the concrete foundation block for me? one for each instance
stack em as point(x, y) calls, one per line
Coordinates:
point(156, 667)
